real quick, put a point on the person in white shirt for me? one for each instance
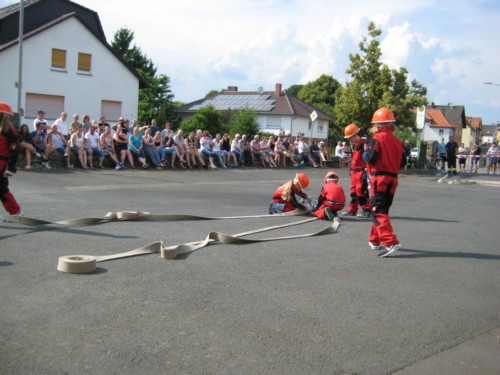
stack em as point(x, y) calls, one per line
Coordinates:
point(339, 150)
point(303, 149)
point(492, 155)
point(63, 126)
point(41, 120)
point(94, 147)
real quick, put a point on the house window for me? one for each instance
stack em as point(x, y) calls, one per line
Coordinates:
point(320, 126)
point(273, 122)
point(84, 61)
point(441, 132)
point(58, 58)
point(310, 125)
point(111, 109)
point(52, 105)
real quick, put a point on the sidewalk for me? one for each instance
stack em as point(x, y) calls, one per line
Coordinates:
point(461, 178)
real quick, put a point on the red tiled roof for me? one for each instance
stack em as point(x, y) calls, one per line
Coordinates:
point(475, 123)
point(437, 119)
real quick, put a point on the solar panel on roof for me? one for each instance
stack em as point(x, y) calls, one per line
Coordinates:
point(224, 102)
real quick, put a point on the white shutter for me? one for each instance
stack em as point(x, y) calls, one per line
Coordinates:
point(111, 109)
point(52, 105)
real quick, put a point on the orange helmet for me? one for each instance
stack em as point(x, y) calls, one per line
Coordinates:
point(383, 116)
point(5, 108)
point(351, 130)
point(302, 179)
point(331, 175)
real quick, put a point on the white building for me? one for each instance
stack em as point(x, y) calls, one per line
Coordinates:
point(67, 66)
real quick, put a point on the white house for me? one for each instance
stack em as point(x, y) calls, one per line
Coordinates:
point(67, 66)
point(275, 110)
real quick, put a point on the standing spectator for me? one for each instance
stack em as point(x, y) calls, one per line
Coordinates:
point(463, 152)
point(93, 144)
point(407, 149)
point(492, 155)
point(331, 199)
point(168, 130)
point(359, 183)
point(40, 119)
point(442, 153)
point(154, 127)
point(77, 144)
point(475, 155)
point(384, 158)
point(55, 138)
point(63, 126)
point(86, 123)
point(73, 126)
point(451, 156)
point(8, 159)
point(26, 145)
point(108, 147)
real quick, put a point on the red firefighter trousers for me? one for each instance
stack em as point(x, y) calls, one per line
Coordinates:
point(383, 190)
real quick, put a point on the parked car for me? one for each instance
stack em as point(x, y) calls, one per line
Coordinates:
point(414, 155)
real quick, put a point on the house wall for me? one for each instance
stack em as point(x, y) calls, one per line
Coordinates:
point(431, 134)
point(109, 78)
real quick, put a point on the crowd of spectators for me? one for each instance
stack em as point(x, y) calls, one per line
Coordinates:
point(88, 143)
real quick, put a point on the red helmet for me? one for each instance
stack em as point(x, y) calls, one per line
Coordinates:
point(383, 116)
point(5, 108)
point(331, 175)
point(351, 130)
point(302, 179)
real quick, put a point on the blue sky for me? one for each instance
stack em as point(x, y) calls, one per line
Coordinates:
point(451, 47)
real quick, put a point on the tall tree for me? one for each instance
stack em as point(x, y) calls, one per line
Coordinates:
point(155, 101)
point(375, 85)
point(320, 93)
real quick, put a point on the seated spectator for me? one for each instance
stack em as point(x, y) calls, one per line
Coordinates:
point(323, 154)
point(170, 148)
point(315, 153)
point(303, 149)
point(55, 138)
point(120, 141)
point(278, 151)
point(85, 123)
point(135, 145)
point(192, 152)
point(77, 143)
point(206, 148)
point(237, 150)
point(339, 150)
point(181, 149)
point(245, 146)
point(288, 152)
point(39, 137)
point(168, 130)
point(108, 147)
point(266, 149)
point(150, 150)
point(154, 127)
point(93, 146)
point(225, 146)
point(257, 152)
point(216, 149)
point(26, 145)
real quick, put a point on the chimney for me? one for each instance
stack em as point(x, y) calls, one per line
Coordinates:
point(232, 88)
point(277, 91)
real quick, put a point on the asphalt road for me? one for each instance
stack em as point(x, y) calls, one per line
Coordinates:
point(321, 305)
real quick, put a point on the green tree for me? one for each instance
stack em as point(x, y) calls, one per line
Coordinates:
point(294, 90)
point(155, 101)
point(244, 122)
point(207, 118)
point(320, 93)
point(374, 85)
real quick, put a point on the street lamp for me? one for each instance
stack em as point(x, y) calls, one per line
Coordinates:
point(491, 83)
